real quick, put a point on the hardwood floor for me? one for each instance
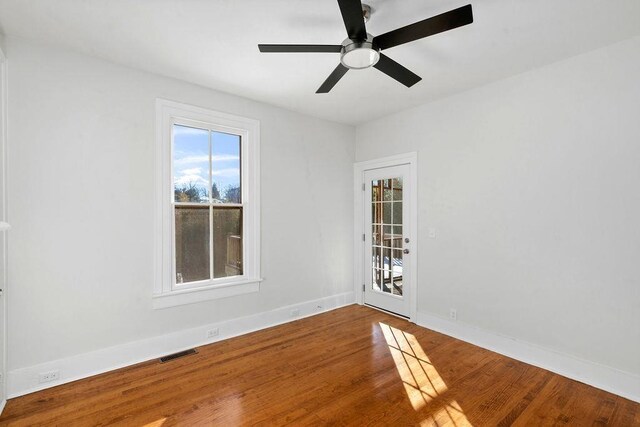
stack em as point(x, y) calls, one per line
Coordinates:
point(352, 366)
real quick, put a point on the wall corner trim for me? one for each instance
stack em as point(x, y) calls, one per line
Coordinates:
point(606, 378)
point(25, 380)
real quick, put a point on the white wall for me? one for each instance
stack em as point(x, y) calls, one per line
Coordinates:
point(81, 141)
point(533, 186)
point(3, 237)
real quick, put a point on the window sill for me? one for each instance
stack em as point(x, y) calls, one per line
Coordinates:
point(205, 293)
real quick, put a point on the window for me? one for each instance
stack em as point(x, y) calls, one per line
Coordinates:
point(208, 205)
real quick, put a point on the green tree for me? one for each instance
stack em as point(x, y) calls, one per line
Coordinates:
point(215, 193)
point(190, 193)
point(232, 194)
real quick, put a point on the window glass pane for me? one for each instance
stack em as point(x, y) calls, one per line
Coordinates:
point(192, 244)
point(190, 164)
point(227, 242)
point(225, 170)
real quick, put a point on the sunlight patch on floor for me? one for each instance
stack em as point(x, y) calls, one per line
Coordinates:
point(449, 415)
point(156, 423)
point(421, 380)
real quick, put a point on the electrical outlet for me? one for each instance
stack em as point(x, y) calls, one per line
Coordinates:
point(211, 333)
point(453, 314)
point(49, 376)
point(295, 313)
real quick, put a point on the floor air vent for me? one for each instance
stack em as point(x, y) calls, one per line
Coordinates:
point(177, 355)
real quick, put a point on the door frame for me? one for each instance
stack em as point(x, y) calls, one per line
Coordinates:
point(359, 168)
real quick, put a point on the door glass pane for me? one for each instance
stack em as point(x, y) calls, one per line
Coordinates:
point(376, 191)
point(386, 281)
point(376, 277)
point(397, 212)
point(397, 188)
point(387, 194)
point(376, 213)
point(190, 164)
point(192, 244)
point(225, 168)
point(386, 212)
point(376, 235)
point(397, 272)
point(376, 260)
point(227, 242)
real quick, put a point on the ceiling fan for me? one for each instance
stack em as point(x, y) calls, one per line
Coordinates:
point(361, 50)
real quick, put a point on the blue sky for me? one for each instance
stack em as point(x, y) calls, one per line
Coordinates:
point(191, 158)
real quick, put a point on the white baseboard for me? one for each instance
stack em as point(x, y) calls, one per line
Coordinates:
point(622, 383)
point(25, 380)
point(2, 405)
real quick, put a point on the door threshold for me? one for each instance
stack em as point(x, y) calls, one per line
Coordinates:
point(388, 312)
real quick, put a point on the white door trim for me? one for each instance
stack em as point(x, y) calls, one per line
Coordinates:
point(410, 159)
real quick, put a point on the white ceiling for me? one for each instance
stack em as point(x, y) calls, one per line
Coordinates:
point(213, 43)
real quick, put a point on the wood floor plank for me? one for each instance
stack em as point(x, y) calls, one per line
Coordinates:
point(349, 367)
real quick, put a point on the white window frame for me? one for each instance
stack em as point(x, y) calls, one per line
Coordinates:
point(166, 293)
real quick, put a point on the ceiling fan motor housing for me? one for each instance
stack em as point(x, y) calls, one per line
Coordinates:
point(358, 55)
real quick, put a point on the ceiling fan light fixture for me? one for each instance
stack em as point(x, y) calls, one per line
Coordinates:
point(359, 55)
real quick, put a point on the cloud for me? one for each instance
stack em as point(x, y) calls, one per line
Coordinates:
point(191, 160)
point(192, 171)
point(224, 157)
point(189, 179)
point(205, 159)
point(229, 172)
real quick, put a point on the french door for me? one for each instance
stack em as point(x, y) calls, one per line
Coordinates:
point(387, 239)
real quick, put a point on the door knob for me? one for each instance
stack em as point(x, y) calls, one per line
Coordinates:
point(406, 251)
point(406, 240)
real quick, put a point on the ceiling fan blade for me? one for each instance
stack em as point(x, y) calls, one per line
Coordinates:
point(353, 19)
point(428, 27)
point(396, 71)
point(333, 78)
point(299, 48)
